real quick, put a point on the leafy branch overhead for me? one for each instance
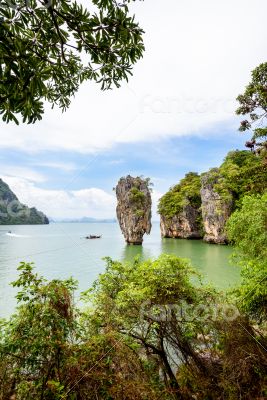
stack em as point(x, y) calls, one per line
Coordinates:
point(49, 47)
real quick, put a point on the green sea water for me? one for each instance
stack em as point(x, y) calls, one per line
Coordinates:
point(60, 250)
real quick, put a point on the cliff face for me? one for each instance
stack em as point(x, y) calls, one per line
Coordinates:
point(215, 209)
point(12, 212)
point(217, 193)
point(133, 208)
point(185, 225)
point(179, 209)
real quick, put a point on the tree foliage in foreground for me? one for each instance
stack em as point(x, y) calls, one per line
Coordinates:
point(48, 350)
point(149, 333)
point(247, 229)
point(253, 102)
point(49, 47)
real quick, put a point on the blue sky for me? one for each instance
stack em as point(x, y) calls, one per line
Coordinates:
point(165, 161)
point(176, 114)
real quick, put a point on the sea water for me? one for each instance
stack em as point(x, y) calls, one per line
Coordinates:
point(60, 250)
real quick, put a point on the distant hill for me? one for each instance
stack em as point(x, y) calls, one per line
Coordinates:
point(13, 212)
point(84, 220)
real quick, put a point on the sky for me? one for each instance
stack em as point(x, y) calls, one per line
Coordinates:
point(176, 114)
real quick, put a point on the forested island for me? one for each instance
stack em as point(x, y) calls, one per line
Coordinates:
point(200, 205)
point(13, 212)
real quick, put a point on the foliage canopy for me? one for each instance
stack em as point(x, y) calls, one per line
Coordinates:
point(241, 173)
point(49, 350)
point(184, 193)
point(49, 47)
point(150, 332)
point(247, 230)
point(253, 102)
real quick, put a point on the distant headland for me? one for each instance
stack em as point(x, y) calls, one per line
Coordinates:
point(13, 212)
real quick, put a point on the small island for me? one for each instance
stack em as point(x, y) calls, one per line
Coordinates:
point(200, 205)
point(13, 212)
point(134, 208)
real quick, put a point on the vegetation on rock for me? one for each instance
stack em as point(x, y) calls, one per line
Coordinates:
point(242, 172)
point(137, 197)
point(184, 193)
point(134, 207)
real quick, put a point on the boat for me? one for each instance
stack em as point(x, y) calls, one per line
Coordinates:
point(93, 237)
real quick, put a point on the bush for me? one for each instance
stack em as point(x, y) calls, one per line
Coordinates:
point(247, 230)
point(151, 332)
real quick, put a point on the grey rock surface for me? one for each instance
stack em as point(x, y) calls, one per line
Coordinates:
point(185, 225)
point(133, 208)
point(215, 209)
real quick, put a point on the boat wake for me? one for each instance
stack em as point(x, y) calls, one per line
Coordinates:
point(15, 235)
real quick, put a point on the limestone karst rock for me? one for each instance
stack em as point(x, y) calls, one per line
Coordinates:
point(12, 212)
point(215, 194)
point(216, 209)
point(134, 208)
point(185, 225)
point(179, 209)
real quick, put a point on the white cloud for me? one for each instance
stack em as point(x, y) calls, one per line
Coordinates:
point(13, 171)
point(198, 59)
point(88, 202)
point(92, 202)
point(63, 166)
